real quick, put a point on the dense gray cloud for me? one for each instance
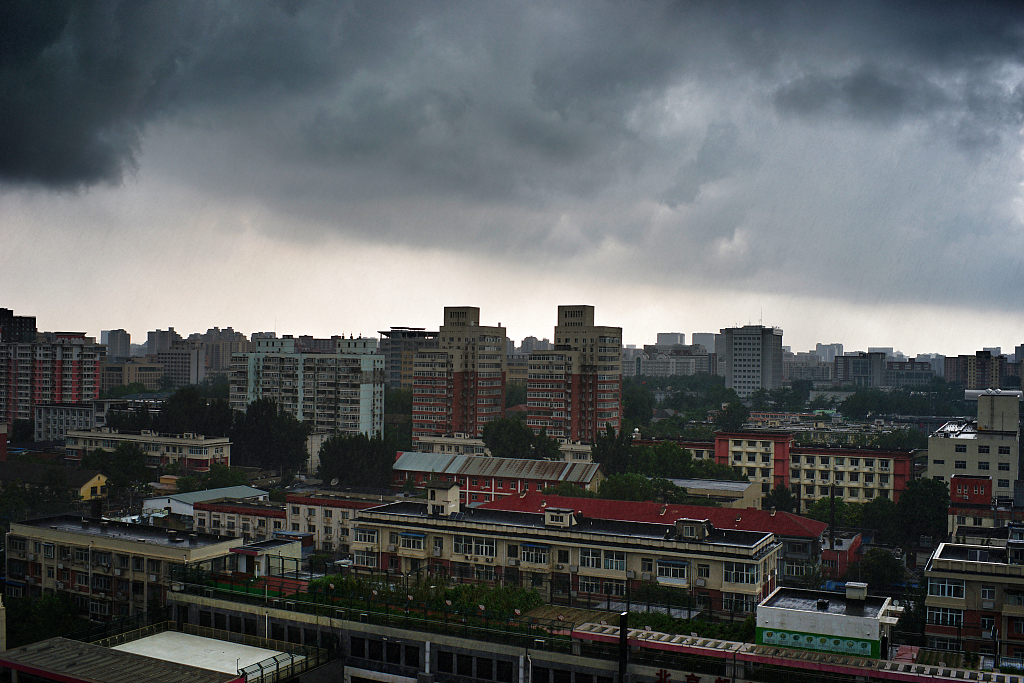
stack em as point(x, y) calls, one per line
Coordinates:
point(854, 150)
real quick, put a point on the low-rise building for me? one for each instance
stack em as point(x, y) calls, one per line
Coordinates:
point(184, 503)
point(853, 623)
point(251, 520)
point(800, 537)
point(975, 597)
point(564, 553)
point(107, 569)
point(82, 484)
point(460, 444)
point(192, 452)
point(727, 493)
point(329, 517)
point(482, 480)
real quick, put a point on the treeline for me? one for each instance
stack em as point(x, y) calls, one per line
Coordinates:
point(634, 487)
point(666, 460)
point(939, 398)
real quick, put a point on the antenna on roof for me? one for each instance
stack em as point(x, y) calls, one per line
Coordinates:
point(334, 482)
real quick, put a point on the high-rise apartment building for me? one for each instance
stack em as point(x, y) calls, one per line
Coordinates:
point(119, 345)
point(575, 390)
point(459, 386)
point(58, 367)
point(752, 357)
point(339, 391)
point(828, 352)
point(184, 363)
point(161, 340)
point(399, 341)
point(980, 371)
point(16, 328)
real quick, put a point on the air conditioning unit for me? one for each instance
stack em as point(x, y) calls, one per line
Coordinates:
point(60, 585)
point(646, 576)
point(118, 572)
point(152, 578)
point(986, 634)
point(121, 596)
point(630, 574)
point(513, 563)
point(391, 548)
point(437, 552)
point(489, 560)
point(573, 568)
point(987, 604)
point(700, 583)
point(32, 557)
point(559, 566)
point(60, 565)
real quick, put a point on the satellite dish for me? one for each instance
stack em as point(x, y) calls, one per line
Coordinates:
point(334, 482)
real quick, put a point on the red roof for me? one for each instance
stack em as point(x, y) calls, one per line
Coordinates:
point(744, 519)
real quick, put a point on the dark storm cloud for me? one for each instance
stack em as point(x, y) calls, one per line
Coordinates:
point(757, 142)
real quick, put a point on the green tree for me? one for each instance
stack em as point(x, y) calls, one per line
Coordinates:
point(22, 431)
point(901, 439)
point(545, 447)
point(187, 410)
point(879, 569)
point(613, 450)
point(569, 490)
point(219, 476)
point(880, 514)
point(509, 437)
point(269, 438)
point(847, 514)
point(922, 510)
point(626, 486)
point(33, 619)
point(637, 402)
point(731, 417)
point(780, 498)
point(125, 466)
point(397, 401)
point(515, 394)
point(357, 460)
point(125, 390)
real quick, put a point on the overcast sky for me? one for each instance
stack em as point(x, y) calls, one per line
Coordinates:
point(848, 172)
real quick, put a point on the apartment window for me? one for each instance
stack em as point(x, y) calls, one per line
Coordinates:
point(1004, 467)
point(946, 588)
point(615, 560)
point(936, 461)
point(1003, 483)
point(1004, 450)
point(703, 571)
point(824, 462)
point(646, 564)
point(589, 585)
point(535, 554)
point(854, 462)
point(138, 564)
point(738, 572)
point(982, 465)
point(311, 512)
point(960, 448)
point(854, 476)
point(590, 557)
point(840, 476)
point(988, 592)
point(614, 587)
point(327, 514)
point(960, 464)
point(883, 478)
point(296, 510)
point(840, 462)
point(366, 536)
point(412, 542)
point(809, 490)
point(810, 459)
point(983, 449)
point(945, 616)
point(671, 570)
point(295, 526)
point(365, 558)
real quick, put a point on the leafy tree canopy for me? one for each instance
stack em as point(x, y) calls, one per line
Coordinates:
point(901, 439)
point(879, 569)
point(781, 499)
point(515, 395)
point(22, 431)
point(510, 437)
point(731, 417)
point(219, 476)
point(922, 511)
point(847, 514)
point(125, 466)
point(269, 438)
point(637, 401)
point(357, 460)
point(397, 401)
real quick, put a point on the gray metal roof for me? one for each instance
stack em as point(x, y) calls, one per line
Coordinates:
point(507, 468)
point(194, 497)
point(712, 484)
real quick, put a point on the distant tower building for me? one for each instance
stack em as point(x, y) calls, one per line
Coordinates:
point(161, 340)
point(575, 390)
point(119, 345)
point(399, 342)
point(460, 386)
point(828, 352)
point(671, 339)
point(753, 358)
point(705, 339)
point(16, 328)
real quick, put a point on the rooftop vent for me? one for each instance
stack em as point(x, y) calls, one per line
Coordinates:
point(856, 590)
point(822, 604)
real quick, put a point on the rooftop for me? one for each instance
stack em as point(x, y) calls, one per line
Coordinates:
point(825, 602)
point(239, 492)
point(510, 468)
point(746, 519)
point(712, 484)
point(127, 531)
point(71, 660)
point(664, 529)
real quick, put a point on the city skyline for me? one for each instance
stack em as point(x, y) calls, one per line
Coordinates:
point(848, 172)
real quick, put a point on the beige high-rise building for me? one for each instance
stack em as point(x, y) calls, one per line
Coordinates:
point(459, 386)
point(574, 392)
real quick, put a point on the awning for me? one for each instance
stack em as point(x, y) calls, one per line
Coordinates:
point(534, 545)
point(410, 534)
